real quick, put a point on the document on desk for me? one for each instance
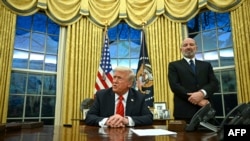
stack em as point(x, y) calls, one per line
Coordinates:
point(152, 132)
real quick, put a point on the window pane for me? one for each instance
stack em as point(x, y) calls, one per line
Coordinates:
point(114, 63)
point(224, 39)
point(20, 59)
point(36, 61)
point(49, 85)
point(124, 62)
point(53, 28)
point(208, 20)
point(123, 49)
point(135, 48)
point(199, 42)
point(113, 50)
point(193, 25)
point(24, 22)
point(40, 22)
point(223, 19)
point(48, 106)
point(218, 76)
point(32, 106)
point(34, 84)
point(229, 81)
point(18, 83)
point(199, 56)
point(22, 40)
point(15, 108)
point(209, 40)
point(227, 57)
point(125, 34)
point(135, 34)
point(38, 42)
point(50, 62)
point(112, 33)
point(52, 44)
point(212, 57)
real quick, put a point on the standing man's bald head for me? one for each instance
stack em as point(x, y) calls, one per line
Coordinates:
point(188, 48)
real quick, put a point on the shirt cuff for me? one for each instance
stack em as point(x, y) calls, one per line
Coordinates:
point(130, 121)
point(102, 122)
point(204, 92)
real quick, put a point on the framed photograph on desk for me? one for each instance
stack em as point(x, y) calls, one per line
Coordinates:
point(160, 110)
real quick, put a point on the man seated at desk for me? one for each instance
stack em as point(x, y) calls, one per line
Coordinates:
point(121, 105)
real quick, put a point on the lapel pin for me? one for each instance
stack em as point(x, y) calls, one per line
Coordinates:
point(132, 100)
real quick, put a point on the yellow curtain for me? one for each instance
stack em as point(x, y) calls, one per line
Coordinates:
point(240, 19)
point(7, 32)
point(66, 12)
point(83, 51)
point(163, 41)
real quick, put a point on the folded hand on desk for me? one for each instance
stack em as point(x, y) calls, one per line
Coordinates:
point(117, 121)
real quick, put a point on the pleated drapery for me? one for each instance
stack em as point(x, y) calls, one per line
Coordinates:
point(7, 32)
point(66, 12)
point(240, 19)
point(84, 43)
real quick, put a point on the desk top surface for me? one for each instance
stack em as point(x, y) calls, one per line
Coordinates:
point(125, 134)
point(92, 133)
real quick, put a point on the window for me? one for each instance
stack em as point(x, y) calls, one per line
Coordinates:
point(124, 44)
point(34, 70)
point(212, 32)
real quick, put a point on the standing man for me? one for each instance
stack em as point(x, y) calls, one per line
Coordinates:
point(107, 111)
point(193, 83)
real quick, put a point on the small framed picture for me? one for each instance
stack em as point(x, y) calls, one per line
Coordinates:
point(160, 105)
point(160, 110)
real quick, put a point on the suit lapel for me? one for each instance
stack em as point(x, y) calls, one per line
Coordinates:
point(130, 103)
point(186, 65)
point(198, 65)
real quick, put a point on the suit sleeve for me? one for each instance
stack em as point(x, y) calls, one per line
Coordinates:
point(174, 82)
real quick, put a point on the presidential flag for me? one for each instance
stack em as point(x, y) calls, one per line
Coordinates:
point(105, 75)
point(144, 74)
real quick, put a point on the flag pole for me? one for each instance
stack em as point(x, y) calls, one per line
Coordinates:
point(103, 46)
point(143, 45)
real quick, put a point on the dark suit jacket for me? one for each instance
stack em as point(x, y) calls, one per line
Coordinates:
point(183, 80)
point(104, 106)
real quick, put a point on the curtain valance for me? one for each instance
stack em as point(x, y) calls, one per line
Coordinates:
point(110, 12)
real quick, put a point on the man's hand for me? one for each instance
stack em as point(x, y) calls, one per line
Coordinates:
point(203, 102)
point(117, 121)
point(195, 97)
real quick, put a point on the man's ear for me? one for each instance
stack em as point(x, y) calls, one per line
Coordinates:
point(130, 84)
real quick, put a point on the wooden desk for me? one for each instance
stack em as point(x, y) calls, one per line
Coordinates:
point(125, 134)
point(91, 133)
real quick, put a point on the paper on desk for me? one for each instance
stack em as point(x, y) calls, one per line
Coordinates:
point(152, 132)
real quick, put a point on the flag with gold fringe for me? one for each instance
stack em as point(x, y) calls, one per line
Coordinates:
point(144, 74)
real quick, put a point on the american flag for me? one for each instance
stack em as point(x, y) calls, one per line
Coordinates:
point(105, 75)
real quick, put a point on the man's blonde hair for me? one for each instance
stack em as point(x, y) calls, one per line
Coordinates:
point(131, 75)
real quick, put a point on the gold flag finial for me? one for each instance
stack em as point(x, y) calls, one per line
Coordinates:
point(106, 25)
point(144, 22)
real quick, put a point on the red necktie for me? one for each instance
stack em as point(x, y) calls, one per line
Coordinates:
point(120, 107)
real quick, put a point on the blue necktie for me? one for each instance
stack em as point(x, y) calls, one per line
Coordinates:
point(192, 65)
